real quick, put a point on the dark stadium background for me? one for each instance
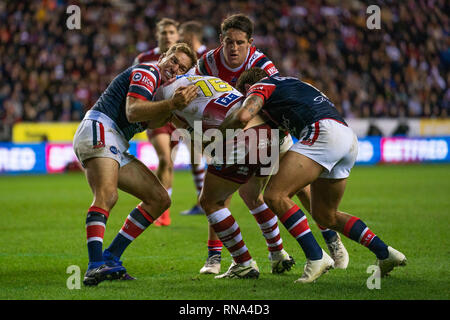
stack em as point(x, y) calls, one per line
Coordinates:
point(391, 84)
point(50, 73)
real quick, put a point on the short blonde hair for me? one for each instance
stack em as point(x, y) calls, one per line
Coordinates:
point(185, 48)
point(167, 22)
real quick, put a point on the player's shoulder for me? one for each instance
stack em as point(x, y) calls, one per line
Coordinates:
point(257, 59)
point(209, 62)
point(146, 73)
point(263, 88)
point(148, 67)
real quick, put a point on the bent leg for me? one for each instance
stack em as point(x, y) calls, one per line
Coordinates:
point(326, 196)
point(214, 199)
point(296, 172)
point(102, 176)
point(251, 194)
point(136, 179)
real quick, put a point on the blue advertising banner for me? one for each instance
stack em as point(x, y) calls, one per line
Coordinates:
point(56, 157)
point(22, 158)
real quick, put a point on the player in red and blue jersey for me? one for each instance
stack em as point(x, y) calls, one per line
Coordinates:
point(323, 157)
point(235, 55)
point(101, 143)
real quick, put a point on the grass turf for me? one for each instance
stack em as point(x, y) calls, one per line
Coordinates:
point(43, 233)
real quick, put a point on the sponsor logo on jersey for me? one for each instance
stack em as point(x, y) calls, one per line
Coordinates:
point(272, 70)
point(319, 99)
point(113, 149)
point(147, 82)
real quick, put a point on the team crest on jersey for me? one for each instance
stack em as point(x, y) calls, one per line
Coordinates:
point(137, 76)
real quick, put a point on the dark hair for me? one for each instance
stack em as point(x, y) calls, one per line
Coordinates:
point(193, 27)
point(183, 47)
point(250, 77)
point(238, 21)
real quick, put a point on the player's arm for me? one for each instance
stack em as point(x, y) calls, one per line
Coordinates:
point(158, 112)
point(239, 118)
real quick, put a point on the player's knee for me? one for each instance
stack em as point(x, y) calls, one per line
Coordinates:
point(303, 193)
point(166, 203)
point(250, 199)
point(106, 198)
point(272, 198)
point(204, 203)
point(158, 202)
point(324, 218)
point(209, 205)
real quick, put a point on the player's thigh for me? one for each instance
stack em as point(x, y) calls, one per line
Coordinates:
point(326, 195)
point(216, 192)
point(136, 179)
point(296, 171)
point(102, 174)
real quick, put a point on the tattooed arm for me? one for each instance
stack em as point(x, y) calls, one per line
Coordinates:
point(239, 118)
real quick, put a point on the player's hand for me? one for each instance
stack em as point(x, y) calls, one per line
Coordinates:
point(184, 95)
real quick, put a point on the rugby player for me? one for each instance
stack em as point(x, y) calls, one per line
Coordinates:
point(227, 62)
point(216, 99)
point(101, 143)
point(323, 157)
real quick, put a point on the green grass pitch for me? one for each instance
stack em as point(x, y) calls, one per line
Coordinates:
point(43, 233)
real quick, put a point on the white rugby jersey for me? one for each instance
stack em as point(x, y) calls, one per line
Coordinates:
point(216, 99)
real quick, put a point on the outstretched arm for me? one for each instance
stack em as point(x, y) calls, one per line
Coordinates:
point(158, 112)
point(239, 118)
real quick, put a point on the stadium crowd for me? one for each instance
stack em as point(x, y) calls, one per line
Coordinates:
point(51, 73)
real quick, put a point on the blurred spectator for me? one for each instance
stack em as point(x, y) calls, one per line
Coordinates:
point(50, 73)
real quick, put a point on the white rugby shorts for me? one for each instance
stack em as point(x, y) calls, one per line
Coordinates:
point(98, 136)
point(331, 144)
point(286, 144)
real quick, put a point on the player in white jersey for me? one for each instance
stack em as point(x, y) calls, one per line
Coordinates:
point(215, 101)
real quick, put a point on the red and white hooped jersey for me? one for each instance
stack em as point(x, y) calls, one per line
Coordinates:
point(215, 101)
point(212, 63)
point(151, 56)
